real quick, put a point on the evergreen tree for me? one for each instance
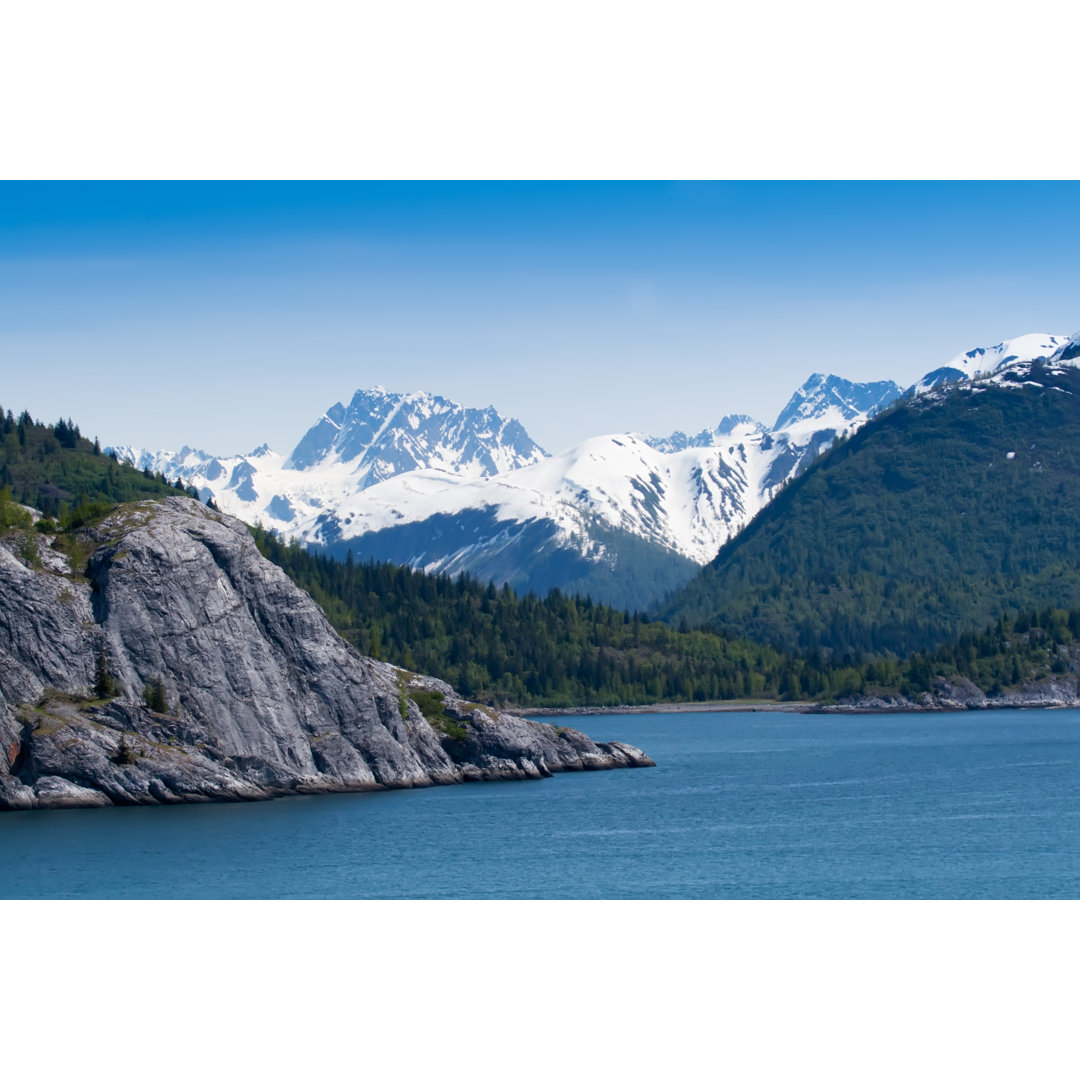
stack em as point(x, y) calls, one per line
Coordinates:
point(124, 754)
point(154, 695)
point(105, 685)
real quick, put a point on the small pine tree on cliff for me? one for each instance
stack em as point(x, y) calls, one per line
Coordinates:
point(154, 695)
point(105, 685)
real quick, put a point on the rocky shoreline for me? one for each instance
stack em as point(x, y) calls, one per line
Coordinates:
point(947, 695)
point(673, 707)
point(959, 695)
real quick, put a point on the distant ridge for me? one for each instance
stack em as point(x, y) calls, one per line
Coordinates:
point(956, 506)
point(441, 487)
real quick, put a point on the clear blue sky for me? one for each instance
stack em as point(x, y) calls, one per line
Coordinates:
point(227, 314)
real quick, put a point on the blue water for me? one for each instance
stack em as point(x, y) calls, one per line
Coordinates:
point(742, 805)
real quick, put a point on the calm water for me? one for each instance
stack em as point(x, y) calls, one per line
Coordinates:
point(746, 805)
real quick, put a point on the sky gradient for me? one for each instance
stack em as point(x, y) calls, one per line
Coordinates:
point(223, 315)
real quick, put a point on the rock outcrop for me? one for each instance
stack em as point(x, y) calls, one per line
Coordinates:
point(254, 693)
point(958, 694)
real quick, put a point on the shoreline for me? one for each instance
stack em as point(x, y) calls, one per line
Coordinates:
point(865, 708)
point(672, 707)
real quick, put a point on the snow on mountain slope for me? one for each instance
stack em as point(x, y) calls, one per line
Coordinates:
point(446, 488)
point(679, 440)
point(679, 501)
point(1014, 371)
point(976, 361)
point(233, 478)
point(827, 401)
point(381, 434)
point(688, 502)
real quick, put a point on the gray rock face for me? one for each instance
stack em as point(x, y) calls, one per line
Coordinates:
point(958, 694)
point(263, 697)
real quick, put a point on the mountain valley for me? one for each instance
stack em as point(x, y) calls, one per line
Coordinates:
point(625, 518)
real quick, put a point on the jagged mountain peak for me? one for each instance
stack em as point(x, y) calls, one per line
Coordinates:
point(824, 397)
point(382, 433)
point(732, 424)
point(738, 425)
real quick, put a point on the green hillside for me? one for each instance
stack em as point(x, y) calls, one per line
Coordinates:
point(556, 650)
point(52, 468)
point(933, 519)
point(1014, 516)
point(1014, 652)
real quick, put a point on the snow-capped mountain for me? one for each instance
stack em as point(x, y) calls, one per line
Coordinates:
point(683, 502)
point(984, 361)
point(422, 480)
point(381, 434)
point(679, 440)
point(823, 403)
point(829, 402)
point(1036, 368)
point(378, 435)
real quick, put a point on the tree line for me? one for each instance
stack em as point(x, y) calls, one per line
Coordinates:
point(557, 650)
point(52, 466)
point(561, 650)
point(929, 522)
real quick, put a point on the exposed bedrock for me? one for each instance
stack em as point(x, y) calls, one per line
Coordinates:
point(258, 695)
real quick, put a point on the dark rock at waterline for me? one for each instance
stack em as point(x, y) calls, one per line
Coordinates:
point(260, 696)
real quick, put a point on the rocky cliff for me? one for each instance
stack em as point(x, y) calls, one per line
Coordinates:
point(254, 695)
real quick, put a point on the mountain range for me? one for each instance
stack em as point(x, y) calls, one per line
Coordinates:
point(952, 508)
point(626, 518)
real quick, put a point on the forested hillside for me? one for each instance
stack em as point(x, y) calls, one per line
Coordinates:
point(934, 519)
point(1015, 651)
point(560, 650)
point(567, 651)
point(556, 650)
point(51, 467)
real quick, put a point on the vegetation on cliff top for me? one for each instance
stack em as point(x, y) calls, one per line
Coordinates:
point(53, 468)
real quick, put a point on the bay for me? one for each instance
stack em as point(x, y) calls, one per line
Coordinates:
point(747, 805)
